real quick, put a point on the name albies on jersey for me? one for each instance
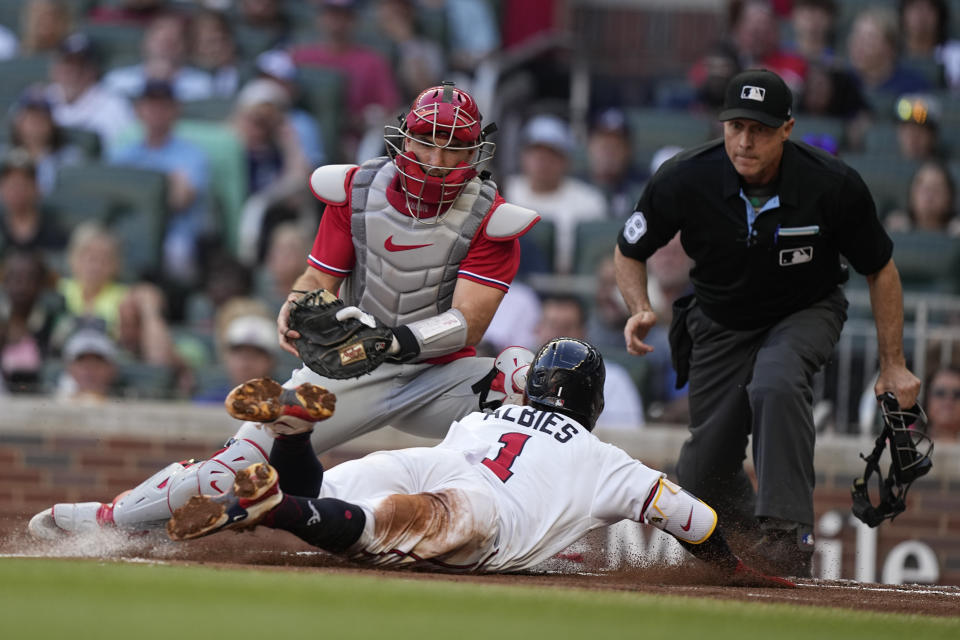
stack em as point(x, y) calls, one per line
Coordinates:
point(553, 480)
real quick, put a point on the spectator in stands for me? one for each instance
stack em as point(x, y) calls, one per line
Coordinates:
point(814, 24)
point(144, 336)
point(90, 288)
point(274, 156)
point(565, 316)
point(835, 92)
point(32, 128)
point(43, 25)
point(224, 278)
point(188, 173)
point(131, 12)
point(609, 312)
point(943, 404)
point(514, 323)
point(918, 126)
point(91, 368)
point(9, 46)
point(931, 202)
point(926, 27)
point(371, 91)
point(79, 99)
point(277, 65)
point(282, 263)
point(472, 33)
point(873, 50)
point(165, 52)
point(247, 343)
point(29, 309)
point(668, 272)
point(755, 32)
point(712, 73)
point(215, 51)
point(610, 157)
point(545, 184)
point(417, 61)
point(26, 223)
point(266, 21)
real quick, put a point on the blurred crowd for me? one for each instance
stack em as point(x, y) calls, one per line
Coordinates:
point(154, 207)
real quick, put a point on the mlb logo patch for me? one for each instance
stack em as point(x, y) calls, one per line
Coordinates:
point(799, 255)
point(749, 92)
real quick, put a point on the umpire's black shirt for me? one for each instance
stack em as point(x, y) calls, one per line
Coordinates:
point(743, 278)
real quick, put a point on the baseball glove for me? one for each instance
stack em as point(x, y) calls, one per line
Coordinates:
point(337, 349)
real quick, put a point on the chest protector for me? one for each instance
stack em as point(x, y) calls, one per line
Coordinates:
point(406, 270)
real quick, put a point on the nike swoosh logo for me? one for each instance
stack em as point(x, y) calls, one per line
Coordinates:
point(686, 527)
point(389, 245)
point(213, 483)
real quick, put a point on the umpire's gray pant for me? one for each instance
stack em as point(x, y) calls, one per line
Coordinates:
point(759, 379)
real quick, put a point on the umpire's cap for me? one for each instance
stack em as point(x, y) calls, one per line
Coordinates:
point(759, 95)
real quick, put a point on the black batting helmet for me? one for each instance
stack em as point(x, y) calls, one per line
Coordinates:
point(567, 376)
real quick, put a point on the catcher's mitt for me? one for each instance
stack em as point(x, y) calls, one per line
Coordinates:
point(336, 348)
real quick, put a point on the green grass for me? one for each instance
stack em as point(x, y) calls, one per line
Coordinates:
point(79, 599)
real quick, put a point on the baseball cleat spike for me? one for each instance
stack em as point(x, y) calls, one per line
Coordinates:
point(265, 400)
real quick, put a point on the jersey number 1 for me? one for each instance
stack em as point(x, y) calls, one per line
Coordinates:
point(512, 446)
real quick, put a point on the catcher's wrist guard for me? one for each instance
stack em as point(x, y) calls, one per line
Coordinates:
point(405, 346)
point(910, 451)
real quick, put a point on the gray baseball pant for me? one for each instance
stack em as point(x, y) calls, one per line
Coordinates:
point(759, 380)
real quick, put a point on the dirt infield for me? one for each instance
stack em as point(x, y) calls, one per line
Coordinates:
point(278, 551)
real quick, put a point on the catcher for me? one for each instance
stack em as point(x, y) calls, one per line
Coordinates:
point(421, 248)
point(503, 492)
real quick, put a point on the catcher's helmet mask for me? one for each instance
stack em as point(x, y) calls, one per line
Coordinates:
point(447, 118)
point(567, 376)
point(910, 457)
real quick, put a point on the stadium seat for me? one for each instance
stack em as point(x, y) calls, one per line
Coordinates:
point(117, 45)
point(213, 109)
point(927, 261)
point(323, 95)
point(18, 74)
point(652, 129)
point(10, 11)
point(810, 125)
point(543, 238)
point(136, 201)
point(594, 241)
point(86, 140)
point(228, 171)
point(887, 175)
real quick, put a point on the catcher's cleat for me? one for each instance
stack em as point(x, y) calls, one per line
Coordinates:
point(255, 492)
point(67, 519)
point(264, 400)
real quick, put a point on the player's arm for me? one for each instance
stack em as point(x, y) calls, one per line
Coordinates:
point(309, 280)
point(632, 282)
point(886, 300)
point(478, 303)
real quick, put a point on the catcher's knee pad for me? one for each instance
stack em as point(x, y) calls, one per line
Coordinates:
point(678, 513)
point(452, 526)
point(155, 499)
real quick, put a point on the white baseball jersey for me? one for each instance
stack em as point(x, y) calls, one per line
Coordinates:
point(523, 484)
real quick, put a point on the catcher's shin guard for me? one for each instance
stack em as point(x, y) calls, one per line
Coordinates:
point(155, 499)
point(670, 508)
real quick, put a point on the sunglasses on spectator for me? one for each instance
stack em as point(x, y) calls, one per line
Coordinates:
point(942, 392)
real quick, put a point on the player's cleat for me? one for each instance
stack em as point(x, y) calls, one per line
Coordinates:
point(744, 576)
point(66, 519)
point(290, 410)
point(255, 492)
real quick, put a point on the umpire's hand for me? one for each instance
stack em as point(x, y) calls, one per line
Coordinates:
point(636, 329)
point(900, 381)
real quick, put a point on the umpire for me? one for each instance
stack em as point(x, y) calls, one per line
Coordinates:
point(765, 220)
